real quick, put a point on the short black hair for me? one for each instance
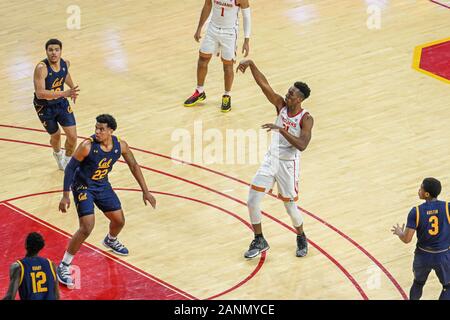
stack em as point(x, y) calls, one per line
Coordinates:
point(108, 119)
point(432, 186)
point(34, 243)
point(53, 41)
point(304, 89)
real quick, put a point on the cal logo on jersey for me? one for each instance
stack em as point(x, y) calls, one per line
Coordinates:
point(57, 83)
point(82, 196)
point(104, 163)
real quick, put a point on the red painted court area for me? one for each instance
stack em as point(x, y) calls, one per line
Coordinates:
point(436, 59)
point(106, 276)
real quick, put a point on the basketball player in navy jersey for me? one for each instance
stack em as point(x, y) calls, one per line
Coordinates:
point(87, 176)
point(33, 275)
point(50, 101)
point(431, 220)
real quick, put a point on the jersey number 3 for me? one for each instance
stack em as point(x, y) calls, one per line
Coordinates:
point(434, 221)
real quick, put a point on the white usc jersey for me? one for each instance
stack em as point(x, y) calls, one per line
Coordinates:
point(280, 147)
point(225, 13)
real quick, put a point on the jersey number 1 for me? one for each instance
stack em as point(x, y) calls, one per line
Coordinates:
point(223, 11)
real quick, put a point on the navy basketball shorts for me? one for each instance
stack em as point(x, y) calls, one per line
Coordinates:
point(51, 115)
point(105, 199)
point(424, 262)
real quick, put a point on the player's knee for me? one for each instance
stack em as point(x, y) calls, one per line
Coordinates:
point(419, 283)
point(86, 227)
point(71, 139)
point(203, 61)
point(294, 213)
point(85, 230)
point(120, 222)
point(253, 200)
point(55, 135)
point(228, 65)
point(253, 204)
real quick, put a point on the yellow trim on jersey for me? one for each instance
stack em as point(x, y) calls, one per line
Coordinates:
point(51, 268)
point(22, 272)
point(91, 139)
point(446, 210)
point(417, 216)
point(118, 139)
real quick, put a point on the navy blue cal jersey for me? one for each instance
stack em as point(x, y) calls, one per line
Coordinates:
point(37, 279)
point(94, 169)
point(54, 82)
point(431, 220)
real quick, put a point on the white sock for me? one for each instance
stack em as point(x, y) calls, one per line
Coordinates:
point(67, 259)
point(226, 93)
point(110, 237)
point(68, 158)
point(59, 153)
point(200, 89)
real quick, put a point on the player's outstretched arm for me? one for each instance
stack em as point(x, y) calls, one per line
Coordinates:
point(137, 173)
point(14, 279)
point(80, 153)
point(207, 6)
point(246, 16)
point(262, 82)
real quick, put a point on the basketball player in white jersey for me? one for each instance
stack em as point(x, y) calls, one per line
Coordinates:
point(291, 135)
point(221, 37)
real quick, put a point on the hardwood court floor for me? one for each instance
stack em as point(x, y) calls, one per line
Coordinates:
point(380, 128)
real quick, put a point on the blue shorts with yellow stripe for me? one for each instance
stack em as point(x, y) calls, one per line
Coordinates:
point(104, 198)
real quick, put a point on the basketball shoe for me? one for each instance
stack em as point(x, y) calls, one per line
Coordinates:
point(115, 246)
point(195, 98)
point(226, 103)
point(63, 274)
point(257, 246)
point(302, 245)
point(60, 159)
